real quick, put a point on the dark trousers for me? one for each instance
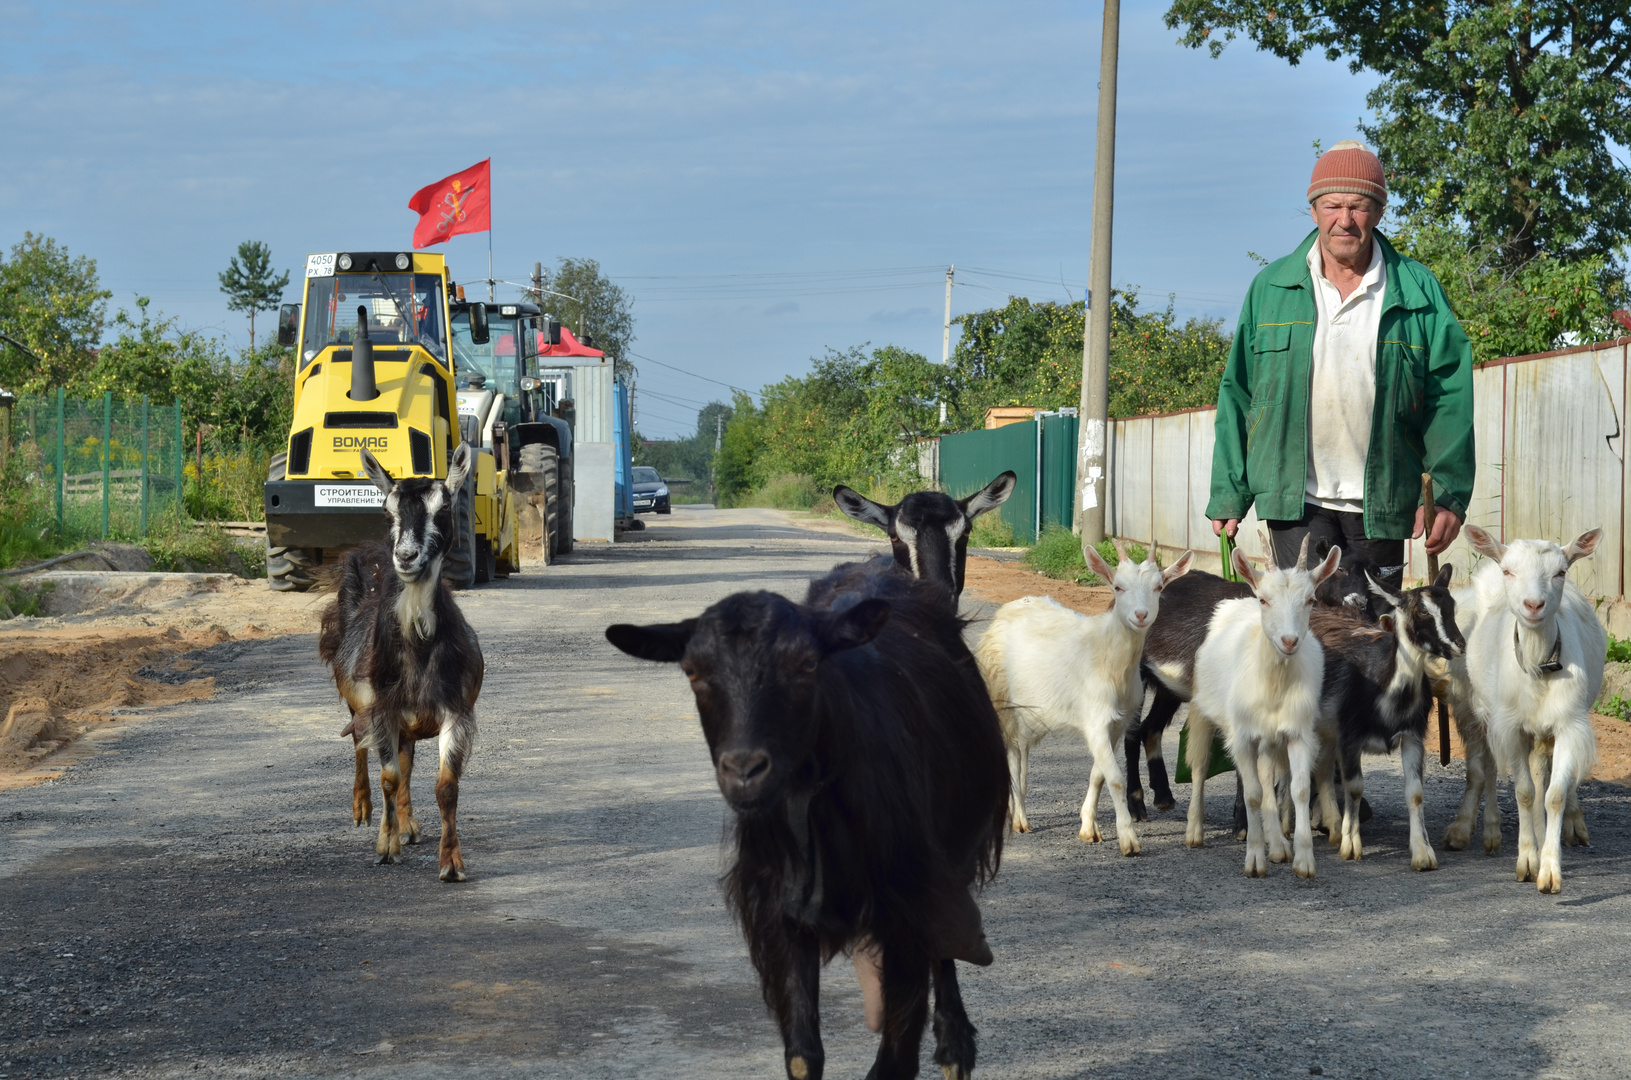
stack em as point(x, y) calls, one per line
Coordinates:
point(1340, 529)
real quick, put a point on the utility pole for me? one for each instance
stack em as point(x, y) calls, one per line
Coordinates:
point(945, 337)
point(538, 283)
point(1091, 484)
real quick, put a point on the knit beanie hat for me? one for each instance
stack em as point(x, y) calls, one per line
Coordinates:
point(1349, 169)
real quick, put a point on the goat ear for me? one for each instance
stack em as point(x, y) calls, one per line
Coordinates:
point(1445, 573)
point(861, 508)
point(1485, 544)
point(1244, 567)
point(1383, 593)
point(1583, 545)
point(1385, 621)
point(664, 642)
point(458, 468)
point(1326, 567)
point(989, 497)
point(1178, 569)
point(376, 472)
point(852, 627)
point(1096, 563)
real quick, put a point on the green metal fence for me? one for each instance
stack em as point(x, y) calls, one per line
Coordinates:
point(100, 467)
point(969, 461)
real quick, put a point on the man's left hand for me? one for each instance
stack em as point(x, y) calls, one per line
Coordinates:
point(1446, 527)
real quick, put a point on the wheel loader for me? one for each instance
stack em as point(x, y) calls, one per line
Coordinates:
point(375, 369)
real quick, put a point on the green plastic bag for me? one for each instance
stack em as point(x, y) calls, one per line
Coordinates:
point(1221, 761)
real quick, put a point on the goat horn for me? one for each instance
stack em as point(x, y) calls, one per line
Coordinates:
point(1121, 549)
point(1302, 554)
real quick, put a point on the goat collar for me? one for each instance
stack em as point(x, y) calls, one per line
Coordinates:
point(1549, 666)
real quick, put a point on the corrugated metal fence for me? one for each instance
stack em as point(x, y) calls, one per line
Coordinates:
point(970, 460)
point(1551, 465)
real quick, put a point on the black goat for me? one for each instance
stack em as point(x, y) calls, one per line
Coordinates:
point(405, 660)
point(1169, 663)
point(1376, 697)
point(866, 770)
point(928, 530)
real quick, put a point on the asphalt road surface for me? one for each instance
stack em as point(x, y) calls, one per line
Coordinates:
point(193, 901)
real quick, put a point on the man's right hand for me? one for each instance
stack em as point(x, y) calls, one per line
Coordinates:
point(1231, 527)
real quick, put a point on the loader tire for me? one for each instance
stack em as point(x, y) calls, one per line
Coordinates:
point(564, 514)
point(459, 564)
point(542, 463)
point(288, 569)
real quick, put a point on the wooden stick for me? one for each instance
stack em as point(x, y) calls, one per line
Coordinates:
point(1428, 513)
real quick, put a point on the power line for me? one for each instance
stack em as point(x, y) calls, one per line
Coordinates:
point(694, 375)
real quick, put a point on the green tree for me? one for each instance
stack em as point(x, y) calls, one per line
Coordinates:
point(1500, 115)
point(52, 305)
point(250, 283)
point(1029, 353)
point(590, 301)
point(1512, 310)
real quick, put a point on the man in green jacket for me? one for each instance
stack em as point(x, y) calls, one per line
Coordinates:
point(1348, 379)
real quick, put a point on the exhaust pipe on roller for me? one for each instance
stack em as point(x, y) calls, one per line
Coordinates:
point(362, 361)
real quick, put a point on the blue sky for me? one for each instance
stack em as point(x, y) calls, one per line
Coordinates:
point(767, 181)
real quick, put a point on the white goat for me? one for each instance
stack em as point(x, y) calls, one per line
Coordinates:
point(1258, 676)
point(1048, 669)
point(1535, 662)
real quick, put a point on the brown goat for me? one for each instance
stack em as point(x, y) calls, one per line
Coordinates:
point(405, 660)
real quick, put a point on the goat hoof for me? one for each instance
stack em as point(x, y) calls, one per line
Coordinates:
point(1424, 860)
point(1303, 868)
point(1256, 865)
point(1574, 833)
point(410, 831)
point(1022, 826)
point(1165, 802)
point(1457, 837)
point(1526, 867)
point(1279, 853)
point(1240, 836)
point(1194, 836)
point(1090, 833)
point(1549, 880)
point(1135, 806)
point(1352, 850)
point(451, 874)
point(387, 859)
point(1129, 843)
point(1492, 844)
point(955, 1072)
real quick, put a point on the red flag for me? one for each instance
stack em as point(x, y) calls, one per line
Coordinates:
point(459, 204)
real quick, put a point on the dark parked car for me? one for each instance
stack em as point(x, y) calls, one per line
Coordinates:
point(650, 493)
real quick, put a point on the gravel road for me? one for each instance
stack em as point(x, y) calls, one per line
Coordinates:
point(192, 901)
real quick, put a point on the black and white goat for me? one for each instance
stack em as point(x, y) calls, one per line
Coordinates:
point(1377, 696)
point(928, 530)
point(864, 765)
point(405, 660)
point(1169, 663)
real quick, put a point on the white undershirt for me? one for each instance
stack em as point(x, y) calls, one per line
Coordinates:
point(1343, 388)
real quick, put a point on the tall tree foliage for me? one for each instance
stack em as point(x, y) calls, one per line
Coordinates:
point(591, 301)
point(251, 284)
point(50, 302)
point(1499, 116)
point(1030, 353)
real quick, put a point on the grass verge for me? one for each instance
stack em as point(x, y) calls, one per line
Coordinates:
point(1058, 554)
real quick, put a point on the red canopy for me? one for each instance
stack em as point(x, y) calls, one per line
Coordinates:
point(569, 346)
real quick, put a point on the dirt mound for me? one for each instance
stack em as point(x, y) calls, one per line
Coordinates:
point(59, 686)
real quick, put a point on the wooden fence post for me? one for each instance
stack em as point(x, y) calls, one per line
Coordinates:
point(181, 456)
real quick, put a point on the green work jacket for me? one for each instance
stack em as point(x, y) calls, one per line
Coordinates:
point(1421, 422)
